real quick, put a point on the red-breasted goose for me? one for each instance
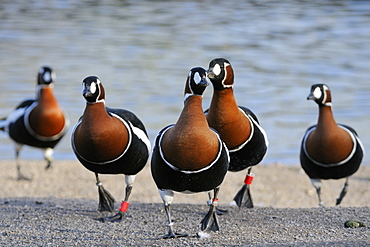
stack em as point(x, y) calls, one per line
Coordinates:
point(109, 141)
point(189, 156)
point(39, 122)
point(329, 150)
point(238, 127)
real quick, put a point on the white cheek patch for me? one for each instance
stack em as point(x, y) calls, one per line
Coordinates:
point(197, 78)
point(216, 70)
point(93, 88)
point(317, 93)
point(47, 76)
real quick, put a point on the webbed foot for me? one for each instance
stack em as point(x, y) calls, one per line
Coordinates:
point(210, 221)
point(115, 218)
point(106, 200)
point(342, 193)
point(23, 177)
point(220, 211)
point(244, 198)
point(172, 234)
point(49, 165)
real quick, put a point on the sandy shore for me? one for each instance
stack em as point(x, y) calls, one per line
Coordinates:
point(58, 207)
point(274, 185)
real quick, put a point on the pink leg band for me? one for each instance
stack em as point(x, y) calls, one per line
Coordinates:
point(249, 178)
point(124, 206)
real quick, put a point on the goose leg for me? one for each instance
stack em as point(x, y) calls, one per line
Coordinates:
point(18, 148)
point(106, 200)
point(48, 155)
point(210, 222)
point(316, 182)
point(219, 211)
point(244, 198)
point(124, 205)
point(343, 192)
point(167, 197)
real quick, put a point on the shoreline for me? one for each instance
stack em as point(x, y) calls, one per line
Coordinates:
point(274, 185)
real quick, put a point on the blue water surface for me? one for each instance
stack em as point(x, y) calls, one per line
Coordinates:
point(142, 52)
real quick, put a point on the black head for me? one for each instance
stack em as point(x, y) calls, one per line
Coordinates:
point(221, 74)
point(46, 76)
point(93, 90)
point(320, 93)
point(196, 82)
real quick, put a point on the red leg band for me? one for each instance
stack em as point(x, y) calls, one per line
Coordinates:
point(249, 178)
point(124, 206)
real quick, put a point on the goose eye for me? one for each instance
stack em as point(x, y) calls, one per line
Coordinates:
point(217, 70)
point(317, 93)
point(197, 78)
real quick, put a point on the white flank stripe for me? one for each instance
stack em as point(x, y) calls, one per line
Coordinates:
point(13, 117)
point(141, 135)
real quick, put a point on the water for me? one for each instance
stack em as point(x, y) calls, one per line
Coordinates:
point(143, 50)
